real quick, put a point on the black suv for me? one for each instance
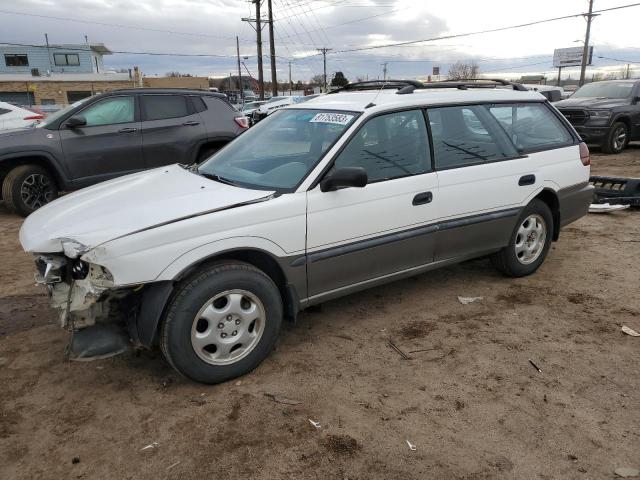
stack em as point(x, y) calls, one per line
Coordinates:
point(109, 135)
point(605, 113)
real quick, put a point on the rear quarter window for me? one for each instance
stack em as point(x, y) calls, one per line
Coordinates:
point(531, 126)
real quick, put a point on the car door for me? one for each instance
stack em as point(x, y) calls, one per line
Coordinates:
point(483, 180)
point(355, 235)
point(108, 145)
point(171, 129)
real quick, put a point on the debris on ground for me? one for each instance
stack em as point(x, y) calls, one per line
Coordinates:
point(397, 349)
point(173, 465)
point(627, 472)
point(630, 331)
point(284, 400)
point(315, 424)
point(75, 460)
point(535, 366)
point(605, 208)
point(411, 446)
point(149, 447)
point(468, 300)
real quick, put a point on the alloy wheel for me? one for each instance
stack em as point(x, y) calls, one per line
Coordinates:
point(36, 190)
point(530, 239)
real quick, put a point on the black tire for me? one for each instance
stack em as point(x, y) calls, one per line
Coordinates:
point(507, 260)
point(613, 142)
point(192, 295)
point(23, 179)
point(206, 152)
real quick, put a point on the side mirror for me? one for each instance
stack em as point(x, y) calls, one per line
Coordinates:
point(75, 121)
point(344, 177)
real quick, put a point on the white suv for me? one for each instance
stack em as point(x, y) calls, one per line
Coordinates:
point(347, 191)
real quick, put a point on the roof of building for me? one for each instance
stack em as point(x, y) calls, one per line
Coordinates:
point(384, 99)
point(65, 77)
point(96, 47)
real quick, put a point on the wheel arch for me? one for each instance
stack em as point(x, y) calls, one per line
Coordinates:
point(42, 159)
point(550, 197)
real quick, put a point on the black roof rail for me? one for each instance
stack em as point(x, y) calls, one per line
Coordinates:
point(378, 85)
point(475, 83)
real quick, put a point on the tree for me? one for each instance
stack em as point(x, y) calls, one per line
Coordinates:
point(462, 71)
point(317, 80)
point(177, 74)
point(339, 80)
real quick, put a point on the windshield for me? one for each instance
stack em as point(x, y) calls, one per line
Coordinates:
point(277, 153)
point(60, 113)
point(605, 90)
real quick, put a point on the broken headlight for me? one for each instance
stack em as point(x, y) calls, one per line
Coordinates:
point(73, 249)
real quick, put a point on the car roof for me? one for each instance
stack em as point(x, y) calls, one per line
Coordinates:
point(389, 99)
point(142, 91)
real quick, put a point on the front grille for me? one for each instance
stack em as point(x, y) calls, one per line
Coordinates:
point(576, 117)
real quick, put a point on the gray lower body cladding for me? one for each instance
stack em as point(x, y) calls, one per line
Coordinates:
point(574, 202)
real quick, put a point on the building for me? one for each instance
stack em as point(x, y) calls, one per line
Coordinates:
point(42, 60)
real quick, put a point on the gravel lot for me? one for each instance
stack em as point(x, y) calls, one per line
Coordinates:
point(467, 398)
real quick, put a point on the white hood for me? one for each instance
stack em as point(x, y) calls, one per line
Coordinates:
point(128, 204)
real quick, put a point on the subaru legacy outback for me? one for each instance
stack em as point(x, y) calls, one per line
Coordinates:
point(353, 189)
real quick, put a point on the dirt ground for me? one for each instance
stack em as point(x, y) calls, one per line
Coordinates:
point(468, 398)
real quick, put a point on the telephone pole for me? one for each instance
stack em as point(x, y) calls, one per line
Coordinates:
point(291, 84)
point(272, 52)
point(585, 51)
point(239, 71)
point(324, 51)
point(258, 29)
point(384, 71)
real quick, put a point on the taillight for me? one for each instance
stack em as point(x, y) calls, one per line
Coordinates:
point(585, 158)
point(34, 117)
point(243, 122)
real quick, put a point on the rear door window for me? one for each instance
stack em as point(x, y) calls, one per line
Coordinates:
point(531, 126)
point(467, 135)
point(160, 107)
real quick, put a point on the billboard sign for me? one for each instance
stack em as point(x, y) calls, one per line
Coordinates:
point(436, 71)
point(570, 57)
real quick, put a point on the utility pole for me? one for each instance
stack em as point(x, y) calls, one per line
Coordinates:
point(627, 75)
point(585, 51)
point(46, 39)
point(384, 71)
point(324, 51)
point(239, 71)
point(272, 52)
point(258, 29)
point(291, 84)
point(559, 76)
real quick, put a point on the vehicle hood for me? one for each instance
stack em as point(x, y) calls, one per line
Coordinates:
point(26, 138)
point(127, 205)
point(590, 102)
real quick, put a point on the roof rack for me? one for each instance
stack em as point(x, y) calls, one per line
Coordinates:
point(475, 83)
point(378, 85)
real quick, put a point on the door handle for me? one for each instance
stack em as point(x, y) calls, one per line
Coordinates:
point(422, 198)
point(527, 180)
point(128, 130)
point(191, 123)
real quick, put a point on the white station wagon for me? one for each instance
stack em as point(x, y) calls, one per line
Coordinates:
point(353, 189)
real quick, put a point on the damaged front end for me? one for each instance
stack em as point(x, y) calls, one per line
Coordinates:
point(89, 306)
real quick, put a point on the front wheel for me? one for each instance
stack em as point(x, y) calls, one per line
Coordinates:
point(529, 243)
point(27, 188)
point(222, 323)
point(617, 139)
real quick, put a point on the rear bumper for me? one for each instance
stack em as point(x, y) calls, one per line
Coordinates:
point(574, 202)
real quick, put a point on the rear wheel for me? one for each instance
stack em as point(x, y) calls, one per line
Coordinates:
point(27, 188)
point(222, 323)
point(529, 243)
point(617, 139)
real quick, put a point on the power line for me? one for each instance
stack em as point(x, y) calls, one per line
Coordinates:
point(636, 62)
point(117, 25)
point(478, 32)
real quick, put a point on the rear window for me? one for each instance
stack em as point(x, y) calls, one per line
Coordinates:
point(531, 126)
point(158, 107)
point(467, 135)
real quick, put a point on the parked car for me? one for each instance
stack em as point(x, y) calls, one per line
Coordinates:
point(250, 107)
point(277, 103)
point(109, 135)
point(347, 191)
point(12, 116)
point(605, 113)
point(550, 92)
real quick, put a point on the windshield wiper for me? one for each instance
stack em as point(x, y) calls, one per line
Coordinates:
point(217, 178)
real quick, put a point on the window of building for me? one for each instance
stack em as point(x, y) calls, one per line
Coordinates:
point(467, 135)
point(389, 146)
point(47, 101)
point(158, 107)
point(16, 60)
point(110, 111)
point(66, 59)
point(531, 126)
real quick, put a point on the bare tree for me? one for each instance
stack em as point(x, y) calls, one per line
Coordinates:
point(317, 80)
point(177, 74)
point(462, 71)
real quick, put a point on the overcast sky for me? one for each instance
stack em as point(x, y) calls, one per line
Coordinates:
point(210, 26)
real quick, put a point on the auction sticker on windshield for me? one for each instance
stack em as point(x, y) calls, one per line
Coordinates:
point(337, 118)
